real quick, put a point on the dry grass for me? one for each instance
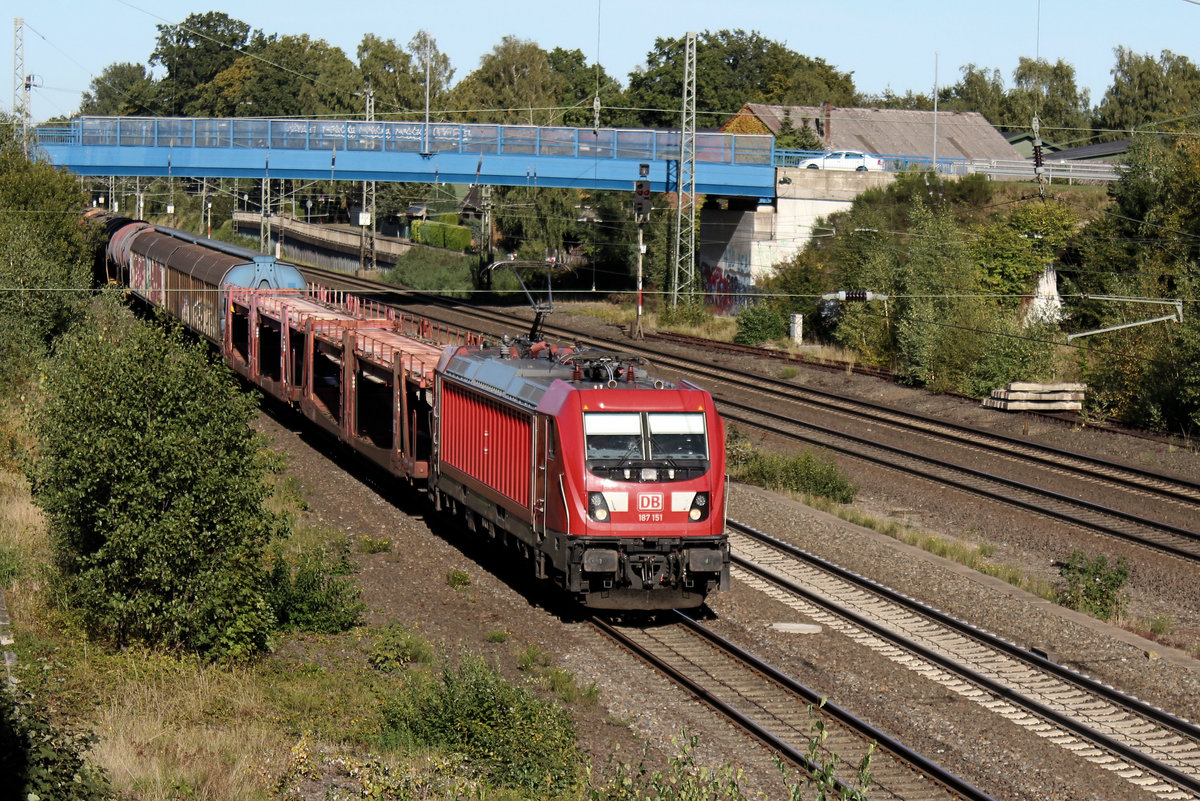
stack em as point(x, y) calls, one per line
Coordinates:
point(171, 729)
point(976, 557)
point(717, 327)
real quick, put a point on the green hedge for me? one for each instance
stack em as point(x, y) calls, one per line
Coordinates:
point(442, 235)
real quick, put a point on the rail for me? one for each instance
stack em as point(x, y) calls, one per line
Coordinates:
point(402, 137)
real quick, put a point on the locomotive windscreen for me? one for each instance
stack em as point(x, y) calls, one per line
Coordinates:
point(645, 436)
point(676, 435)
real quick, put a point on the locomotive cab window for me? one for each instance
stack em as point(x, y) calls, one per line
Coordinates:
point(613, 435)
point(677, 436)
point(646, 446)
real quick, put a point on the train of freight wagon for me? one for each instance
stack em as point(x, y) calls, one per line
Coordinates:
point(603, 480)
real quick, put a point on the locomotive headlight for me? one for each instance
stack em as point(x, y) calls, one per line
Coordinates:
point(699, 510)
point(649, 474)
point(597, 507)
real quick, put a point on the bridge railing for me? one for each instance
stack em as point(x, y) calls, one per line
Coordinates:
point(403, 137)
point(1069, 171)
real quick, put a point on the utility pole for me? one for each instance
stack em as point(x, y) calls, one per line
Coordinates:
point(366, 219)
point(684, 267)
point(637, 327)
point(641, 213)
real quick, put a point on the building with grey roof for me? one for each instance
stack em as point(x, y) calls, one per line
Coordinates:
point(883, 131)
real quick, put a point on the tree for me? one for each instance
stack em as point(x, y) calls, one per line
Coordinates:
point(121, 89)
point(1147, 93)
point(1146, 375)
point(1049, 92)
point(580, 84)
point(1013, 253)
point(398, 82)
point(194, 52)
point(45, 257)
point(423, 48)
point(152, 484)
point(977, 90)
point(797, 138)
point(514, 84)
point(292, 76)
point(732, 68)
point(536, 222)
point(909, 100)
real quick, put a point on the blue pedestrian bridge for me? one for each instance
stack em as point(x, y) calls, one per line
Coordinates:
point(733, 165)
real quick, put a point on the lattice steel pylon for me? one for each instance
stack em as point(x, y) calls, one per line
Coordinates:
point(20, 84)
point(684, 267)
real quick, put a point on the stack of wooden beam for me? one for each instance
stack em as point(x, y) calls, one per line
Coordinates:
point(1022, 396)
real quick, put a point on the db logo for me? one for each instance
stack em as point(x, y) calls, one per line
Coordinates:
point(650, 502)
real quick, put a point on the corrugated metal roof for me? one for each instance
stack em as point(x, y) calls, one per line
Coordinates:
point(1101, 151)
point(960, 134)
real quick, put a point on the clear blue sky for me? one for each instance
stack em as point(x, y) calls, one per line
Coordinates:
point(884, 43)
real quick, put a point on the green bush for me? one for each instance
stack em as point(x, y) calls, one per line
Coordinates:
point(398, 646)
point(39, 760)
point(315, 594)
point(153, 486)
point(1093, 587)
point(686, 313)
point(761, 322)
point(458, 579)
point(431, 270)
point(807, 472)
point(519, 741)
point(442, 235)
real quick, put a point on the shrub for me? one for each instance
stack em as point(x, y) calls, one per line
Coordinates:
point(687, 313)
point(518, 740)
point(807, 472)
point(458, 579)
point(441, 235)
point(315, 594)
point(760, 322)
point(39, 760)
point(153, 486)
point(434, 271)
point(398, 646)
point(1093, 587)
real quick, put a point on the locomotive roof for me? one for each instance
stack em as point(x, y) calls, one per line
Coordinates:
point(526, 380)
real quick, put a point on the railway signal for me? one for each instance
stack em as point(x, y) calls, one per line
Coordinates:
point(641, 198)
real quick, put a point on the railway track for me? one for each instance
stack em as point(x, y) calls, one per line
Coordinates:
point(1098, 495)
point(1166, 537)
point(781, 713)
point(1153, 750)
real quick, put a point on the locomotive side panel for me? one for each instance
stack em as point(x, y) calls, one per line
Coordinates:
point(487, 442)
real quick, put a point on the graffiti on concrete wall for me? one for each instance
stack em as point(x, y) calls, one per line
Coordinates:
point(727, 284)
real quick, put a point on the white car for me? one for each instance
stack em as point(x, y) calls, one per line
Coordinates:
point(844, 160)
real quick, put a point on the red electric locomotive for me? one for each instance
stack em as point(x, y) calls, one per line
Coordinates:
point(611, 482)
